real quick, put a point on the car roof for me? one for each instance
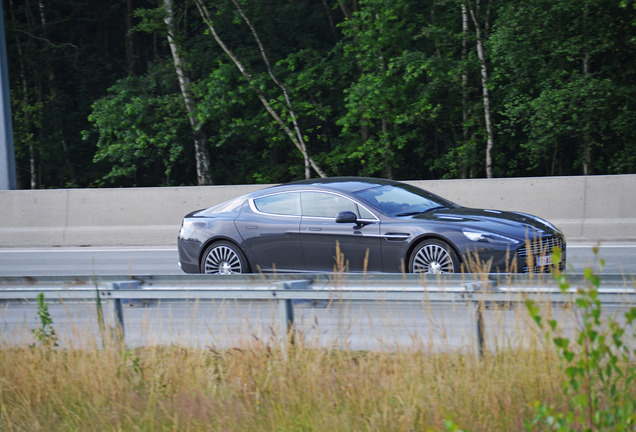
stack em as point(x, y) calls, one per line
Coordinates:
point(342, 184)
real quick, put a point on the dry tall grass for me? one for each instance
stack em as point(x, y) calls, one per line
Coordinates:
point(261, 388)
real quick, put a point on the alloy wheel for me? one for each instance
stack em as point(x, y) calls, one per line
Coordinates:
point(223, 259)
point(433, 258)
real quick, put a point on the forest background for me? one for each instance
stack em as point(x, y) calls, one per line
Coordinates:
point(122, 93)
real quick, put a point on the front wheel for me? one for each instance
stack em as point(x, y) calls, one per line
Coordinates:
point(224, 258)
point(432, 257)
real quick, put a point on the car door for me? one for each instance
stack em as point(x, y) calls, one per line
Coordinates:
point(322, 238)
point(270, 227)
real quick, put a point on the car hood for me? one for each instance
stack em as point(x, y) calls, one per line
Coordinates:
point(519, 225)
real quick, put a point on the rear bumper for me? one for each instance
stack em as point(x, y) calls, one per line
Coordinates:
point(189, 256)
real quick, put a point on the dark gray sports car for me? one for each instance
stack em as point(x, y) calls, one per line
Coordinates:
point(361, 225)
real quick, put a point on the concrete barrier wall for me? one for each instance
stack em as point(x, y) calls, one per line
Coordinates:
point(590, 208)
point(585, 208)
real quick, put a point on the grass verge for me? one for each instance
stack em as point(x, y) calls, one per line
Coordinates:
point(257, 388)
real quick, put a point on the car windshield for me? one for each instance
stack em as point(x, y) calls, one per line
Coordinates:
point(403, 200)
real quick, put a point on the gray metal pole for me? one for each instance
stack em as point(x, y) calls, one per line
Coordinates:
point(286, 313)
point(116, 312)
point(7, 153)
point(478, 315)
point(478, 322)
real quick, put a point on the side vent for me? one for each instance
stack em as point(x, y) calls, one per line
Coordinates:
point(396, 236)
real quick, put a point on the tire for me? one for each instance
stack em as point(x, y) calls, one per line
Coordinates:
point(224, 258)
point(432, 257)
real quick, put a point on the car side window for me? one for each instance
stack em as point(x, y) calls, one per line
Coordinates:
point(364, 213)
point(280, 204)
point(318, 204)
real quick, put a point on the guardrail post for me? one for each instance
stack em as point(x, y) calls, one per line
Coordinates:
point(286, 312)
point(115, 316)
point(478, 307)
point(116, 312)
point(478, 315)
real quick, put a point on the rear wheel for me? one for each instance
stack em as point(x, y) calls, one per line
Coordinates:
point(224, 258)
point(434, 256)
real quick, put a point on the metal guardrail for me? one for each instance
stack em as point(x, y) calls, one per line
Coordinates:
point(478, 290)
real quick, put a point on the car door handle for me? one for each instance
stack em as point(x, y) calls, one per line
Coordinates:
point(313, 229)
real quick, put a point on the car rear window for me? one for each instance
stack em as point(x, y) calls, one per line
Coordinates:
point(279, 204)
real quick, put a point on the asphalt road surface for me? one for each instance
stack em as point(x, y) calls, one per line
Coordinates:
point(619, 258)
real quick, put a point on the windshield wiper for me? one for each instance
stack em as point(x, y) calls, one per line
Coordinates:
point(409, 213)
point(413, 213)
point(434, 208)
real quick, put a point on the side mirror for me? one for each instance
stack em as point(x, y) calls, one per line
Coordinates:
point(346, 217)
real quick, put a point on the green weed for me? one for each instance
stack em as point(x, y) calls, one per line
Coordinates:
point(598, 364)
point(45, 334)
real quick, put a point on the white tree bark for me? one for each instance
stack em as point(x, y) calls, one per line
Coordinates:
point(294, 136)
point(465, 134)
point(25, 101)
point(53, 95)
point(292, 114)
point(587, 146)
point(204, 176)
point(474, 11)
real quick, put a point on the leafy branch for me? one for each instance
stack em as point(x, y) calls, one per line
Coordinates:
point(297, 136)
point(598, 363)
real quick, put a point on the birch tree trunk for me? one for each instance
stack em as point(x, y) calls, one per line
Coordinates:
point(387, 171)
point(131, 57)
point(28, 136)
point(283, 89)
point(587, 141)
point(296, 135)
point(474, 14)
point(54, 98)
point(465, 133)
point(200, 140)
point(587, 145)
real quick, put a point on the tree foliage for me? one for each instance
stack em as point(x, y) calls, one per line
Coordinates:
point(371, 87)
